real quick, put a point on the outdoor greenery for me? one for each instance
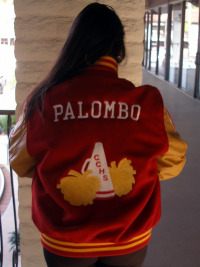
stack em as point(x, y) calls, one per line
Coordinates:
point(3, 123)
point(10, 84)
point(12, 241)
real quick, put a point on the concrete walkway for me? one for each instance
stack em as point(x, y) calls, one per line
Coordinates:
point(176, 239)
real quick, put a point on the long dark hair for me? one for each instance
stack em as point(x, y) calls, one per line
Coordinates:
point(97, 31)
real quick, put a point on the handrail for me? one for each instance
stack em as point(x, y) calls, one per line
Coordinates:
point(16, 250)
point(2, 183)
point(1, 242)
point(7, 112)
point(1, 235)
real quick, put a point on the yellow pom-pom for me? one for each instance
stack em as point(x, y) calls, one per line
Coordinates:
point(79, 189)
point(122, 177)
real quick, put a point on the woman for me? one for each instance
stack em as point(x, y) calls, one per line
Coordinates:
point(95, 146)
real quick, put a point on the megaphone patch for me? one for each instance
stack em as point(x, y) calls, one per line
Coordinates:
point(97, 180)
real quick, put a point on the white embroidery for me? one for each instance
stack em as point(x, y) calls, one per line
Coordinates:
point(81, 116)
point(99, 167)
point(69, 112)
point(96, 110)
point(135, 112)
point(121, 109)
point(108, 108)
point(58, 110)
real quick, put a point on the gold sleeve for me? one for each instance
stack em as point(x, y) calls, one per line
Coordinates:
point(21, 162)
point(172, 162)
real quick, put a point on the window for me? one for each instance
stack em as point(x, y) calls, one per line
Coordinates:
point(154, 39)
point(4, 41)
point(171, 43)
point(175, 43)
point(163, 41)
point(146, 22)
point(12, 42)
point(147, 39)
point(190, 48)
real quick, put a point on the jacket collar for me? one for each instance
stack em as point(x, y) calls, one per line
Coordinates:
point(106, 63)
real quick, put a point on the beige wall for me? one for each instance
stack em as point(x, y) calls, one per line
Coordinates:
point(41, 28)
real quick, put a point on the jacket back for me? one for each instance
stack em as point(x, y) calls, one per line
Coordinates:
point(95, 147)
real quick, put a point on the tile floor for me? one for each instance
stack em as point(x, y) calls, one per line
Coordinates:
point(175, 240)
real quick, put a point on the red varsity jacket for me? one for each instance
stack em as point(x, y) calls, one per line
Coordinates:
point(96, 190)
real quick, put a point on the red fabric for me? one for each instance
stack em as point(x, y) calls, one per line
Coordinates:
point(64, 145)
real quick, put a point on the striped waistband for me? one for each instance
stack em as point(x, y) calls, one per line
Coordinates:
point(94, 249)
